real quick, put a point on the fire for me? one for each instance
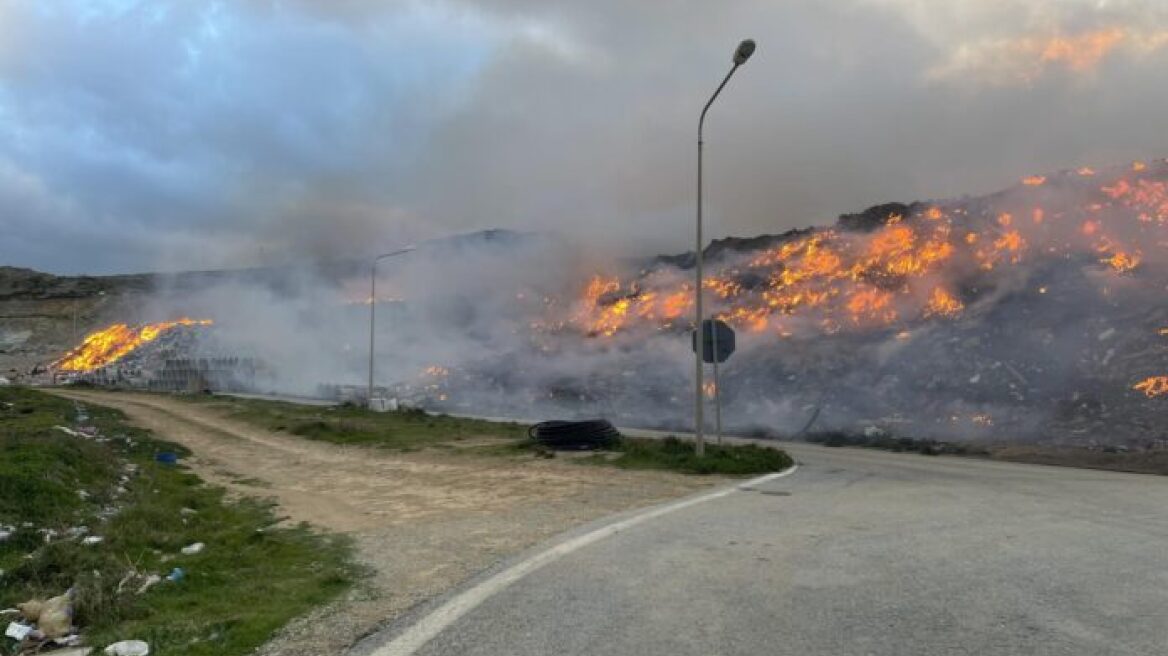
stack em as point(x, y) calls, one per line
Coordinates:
point(871, 304)
point(709, 389)
point(1153, 386)
point(903, 269)
point(943, 304)
point(115, 342)
point(1121, 261)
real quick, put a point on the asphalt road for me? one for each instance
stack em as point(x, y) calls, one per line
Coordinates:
point(858, 552)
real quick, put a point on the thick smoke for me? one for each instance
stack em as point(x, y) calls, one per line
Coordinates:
point(1030, 313)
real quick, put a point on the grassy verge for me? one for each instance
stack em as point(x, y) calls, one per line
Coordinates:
point(415, 429)
point(402, 430)
point(673, 454)
point(251, 578)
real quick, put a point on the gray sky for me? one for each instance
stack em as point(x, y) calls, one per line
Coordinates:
point(138, 135)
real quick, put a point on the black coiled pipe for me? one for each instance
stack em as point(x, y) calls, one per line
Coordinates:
point(587, 434)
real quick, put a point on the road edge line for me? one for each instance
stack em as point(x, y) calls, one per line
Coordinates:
point(433, 623)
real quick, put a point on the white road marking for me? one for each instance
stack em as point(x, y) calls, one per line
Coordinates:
point(425, 629)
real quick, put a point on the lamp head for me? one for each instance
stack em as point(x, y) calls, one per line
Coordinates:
point(744, 51)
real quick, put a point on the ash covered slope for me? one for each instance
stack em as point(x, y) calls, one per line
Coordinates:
point(1032, 313)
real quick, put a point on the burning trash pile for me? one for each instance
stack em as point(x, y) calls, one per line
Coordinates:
point(157, 356)
point(1033, 313)
point(115, 343)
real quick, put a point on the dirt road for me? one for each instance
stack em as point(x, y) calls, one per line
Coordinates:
point(422, 522)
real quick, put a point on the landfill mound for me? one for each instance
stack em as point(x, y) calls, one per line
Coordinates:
point(1031, 314)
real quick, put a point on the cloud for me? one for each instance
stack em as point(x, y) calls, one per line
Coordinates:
point(1015, 42)
point(262, 131)
point(1022, 60)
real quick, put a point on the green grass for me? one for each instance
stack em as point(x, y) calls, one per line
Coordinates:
point(673, 454)
point(252, 578)
point(404, 430)
point(414, 429)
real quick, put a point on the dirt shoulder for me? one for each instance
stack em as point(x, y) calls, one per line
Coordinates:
point(422, 522)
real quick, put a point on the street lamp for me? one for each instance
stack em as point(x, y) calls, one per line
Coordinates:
point(741, 54)
point(373, 314)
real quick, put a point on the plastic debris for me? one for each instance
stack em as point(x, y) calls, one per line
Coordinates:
point(166, 458)
point(53, 618)
point(92, 540)
point(176, 575)
point(192, 549)
point(18, 631)
point(56, 616)
point(70, 640)
point(31, 609)
point(128, 648)
point(150, 582)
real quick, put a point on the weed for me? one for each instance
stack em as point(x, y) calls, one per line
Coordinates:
point(251, 579)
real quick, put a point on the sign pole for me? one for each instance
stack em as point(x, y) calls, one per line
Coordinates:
point(717, 391)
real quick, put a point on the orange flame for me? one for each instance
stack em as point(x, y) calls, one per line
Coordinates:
point(107, 346)
point(840, 279)
point(1153, 386)
point(943, 304)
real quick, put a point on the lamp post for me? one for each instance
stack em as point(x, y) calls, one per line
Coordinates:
point(373, 314)
point(741, 54)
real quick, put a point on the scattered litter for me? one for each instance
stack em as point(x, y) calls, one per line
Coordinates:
point(67, 431)
point(188, 511)
point(5, 532)
point(18, 631)
point(128, 648)
point(92, 540)
point(176, 575)
point(68, 641)
point(166, 458)
point(133, 576)
point(192, 549)
point(150, 582)
point(56, 616)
